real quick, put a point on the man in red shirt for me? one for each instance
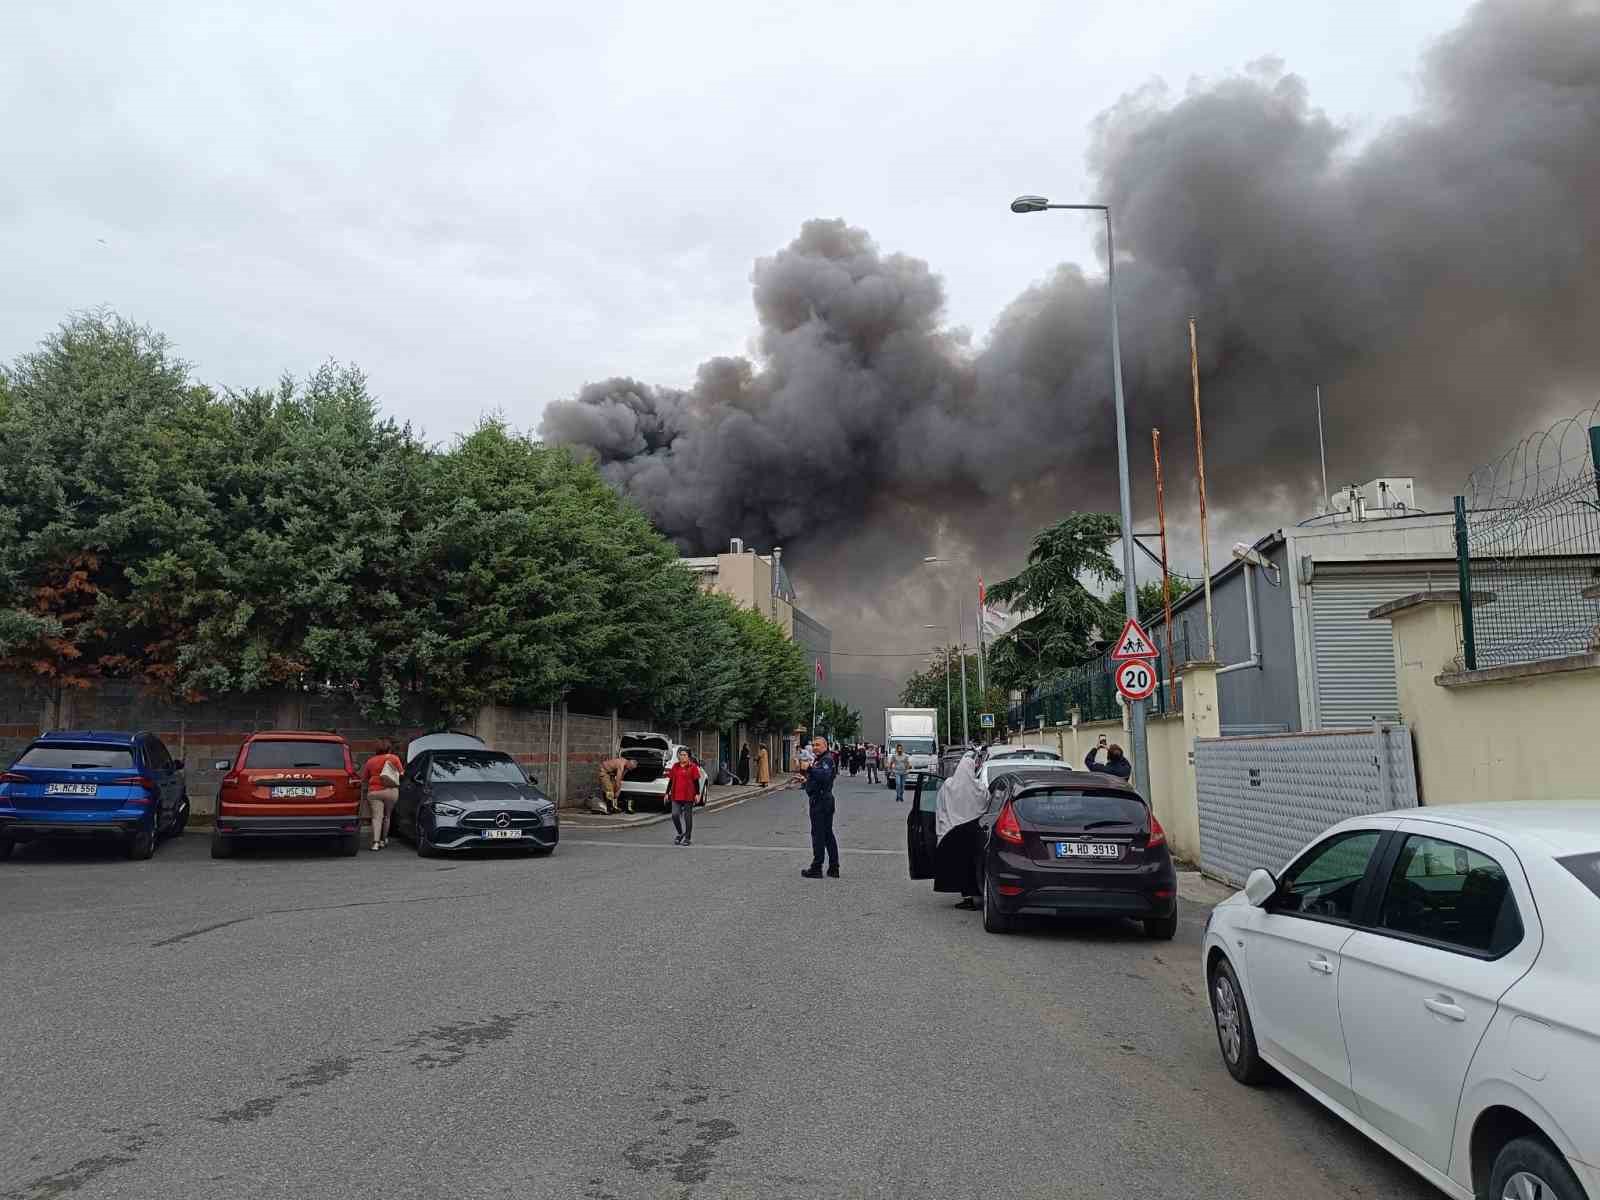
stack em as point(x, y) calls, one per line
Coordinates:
point(683, 787)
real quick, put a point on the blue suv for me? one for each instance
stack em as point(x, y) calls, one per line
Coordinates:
point(92, 782)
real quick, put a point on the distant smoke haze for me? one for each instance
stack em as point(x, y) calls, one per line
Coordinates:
point(1441, 281)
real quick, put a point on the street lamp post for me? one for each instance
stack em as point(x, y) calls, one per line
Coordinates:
point(961, 612)
point(948, 718)
point(1130, 591)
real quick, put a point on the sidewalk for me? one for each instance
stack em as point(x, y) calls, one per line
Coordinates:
point(718, 796)
point(1195, 887)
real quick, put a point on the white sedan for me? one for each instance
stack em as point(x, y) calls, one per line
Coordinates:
point(1013, 758)
point(1433, 977)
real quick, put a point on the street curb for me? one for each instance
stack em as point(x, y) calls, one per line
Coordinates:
point(659, 818)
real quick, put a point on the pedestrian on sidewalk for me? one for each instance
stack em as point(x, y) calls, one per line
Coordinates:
point(899, 764)
point(874, 761)
point(818, 781)
point(763, 766)
point(1095, 760)
point(382, 789)
point(683, 786)
point(1116, 762)
point(611, 775)
point(744, 763)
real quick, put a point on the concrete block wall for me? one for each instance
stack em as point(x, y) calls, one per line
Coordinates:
point(589, 742)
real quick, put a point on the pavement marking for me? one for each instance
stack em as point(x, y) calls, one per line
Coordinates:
point(790, 849)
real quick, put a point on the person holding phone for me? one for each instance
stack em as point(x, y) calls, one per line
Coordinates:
point(1095, 760)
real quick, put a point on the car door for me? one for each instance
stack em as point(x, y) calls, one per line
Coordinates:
point(921, 831)
point(1292, 954)
point(160, 767)
point(1453, 927)
point(405, 804)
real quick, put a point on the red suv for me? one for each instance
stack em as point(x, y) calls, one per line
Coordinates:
point(284, 784)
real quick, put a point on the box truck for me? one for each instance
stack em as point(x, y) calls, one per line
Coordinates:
point(916, 731)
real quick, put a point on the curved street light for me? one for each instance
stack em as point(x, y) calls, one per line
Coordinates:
point(1130, 592)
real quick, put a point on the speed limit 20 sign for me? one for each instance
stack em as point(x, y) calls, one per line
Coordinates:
point(1136, 678)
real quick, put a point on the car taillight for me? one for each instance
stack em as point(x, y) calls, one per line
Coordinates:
point(1006, 828)
point(1158, 835)
point(149, 786)
point(12, 777)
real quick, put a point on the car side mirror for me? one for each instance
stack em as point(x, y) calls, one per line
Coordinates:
point(222, 764)
point(1260, 887)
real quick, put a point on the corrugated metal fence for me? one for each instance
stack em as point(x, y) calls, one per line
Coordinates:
point(1262, 798)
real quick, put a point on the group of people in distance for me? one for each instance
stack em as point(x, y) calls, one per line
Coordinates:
point(858, 757)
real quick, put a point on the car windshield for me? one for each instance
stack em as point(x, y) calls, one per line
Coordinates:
point(467, 767)
point(1067, 807)
point(915, 745)
point(277, 753)
point(68, 758)
point(1025, 752)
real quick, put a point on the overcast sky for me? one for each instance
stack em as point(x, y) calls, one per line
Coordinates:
point(487, 205)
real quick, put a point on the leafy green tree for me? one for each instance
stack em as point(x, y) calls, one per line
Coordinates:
point(926, 689)
point(206, 543)
point(1152, 603)
point(837, 720)
point(92, 438)
point(1066, 613)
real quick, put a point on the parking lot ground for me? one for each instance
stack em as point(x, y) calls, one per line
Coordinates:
point(623, 1019)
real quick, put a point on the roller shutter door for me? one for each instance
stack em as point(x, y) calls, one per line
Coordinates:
point(1354, 655)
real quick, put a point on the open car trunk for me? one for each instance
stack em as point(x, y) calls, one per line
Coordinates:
point(649, 753)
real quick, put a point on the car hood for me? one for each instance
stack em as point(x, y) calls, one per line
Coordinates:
point(490, 795)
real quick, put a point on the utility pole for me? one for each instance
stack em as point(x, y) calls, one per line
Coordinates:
point(1166, 577)
point(1200, 471)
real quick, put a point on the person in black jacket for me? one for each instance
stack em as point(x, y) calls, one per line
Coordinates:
point(818, 780)
point(1116, 763)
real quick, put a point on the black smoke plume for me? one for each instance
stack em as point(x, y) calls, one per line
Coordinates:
point(1441, 281)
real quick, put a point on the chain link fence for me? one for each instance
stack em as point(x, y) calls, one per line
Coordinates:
point(1528, 549)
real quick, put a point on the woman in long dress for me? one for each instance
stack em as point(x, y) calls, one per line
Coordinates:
point(763, 766)
point(962, 801)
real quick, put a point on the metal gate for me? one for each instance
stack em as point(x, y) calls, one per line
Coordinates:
point(1353, 654)
point(1262, 798)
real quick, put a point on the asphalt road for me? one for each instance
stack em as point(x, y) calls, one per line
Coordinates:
point(623, 1019)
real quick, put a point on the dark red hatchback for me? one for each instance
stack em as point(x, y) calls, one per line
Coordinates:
point(289, 784)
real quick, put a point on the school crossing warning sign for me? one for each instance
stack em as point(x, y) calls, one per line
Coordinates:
point(1134, 643)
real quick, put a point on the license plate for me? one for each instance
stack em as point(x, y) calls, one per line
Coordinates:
point(1088, 850)
point(296, 790)
point(502, 833)
point(71, 789)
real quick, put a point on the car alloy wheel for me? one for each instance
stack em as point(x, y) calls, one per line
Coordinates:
point(1226, 1007)
point(1530, 1168)
point(1526, 1186)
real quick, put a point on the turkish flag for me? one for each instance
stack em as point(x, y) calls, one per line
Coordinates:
point(819, 670)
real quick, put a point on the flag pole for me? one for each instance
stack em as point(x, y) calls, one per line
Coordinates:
point(982, 604)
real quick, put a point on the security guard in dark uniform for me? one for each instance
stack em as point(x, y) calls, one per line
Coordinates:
point(818, 779)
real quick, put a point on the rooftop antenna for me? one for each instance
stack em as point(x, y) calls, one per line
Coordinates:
point(1322, 446)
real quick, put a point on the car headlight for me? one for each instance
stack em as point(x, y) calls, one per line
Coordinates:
point(447, 810)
